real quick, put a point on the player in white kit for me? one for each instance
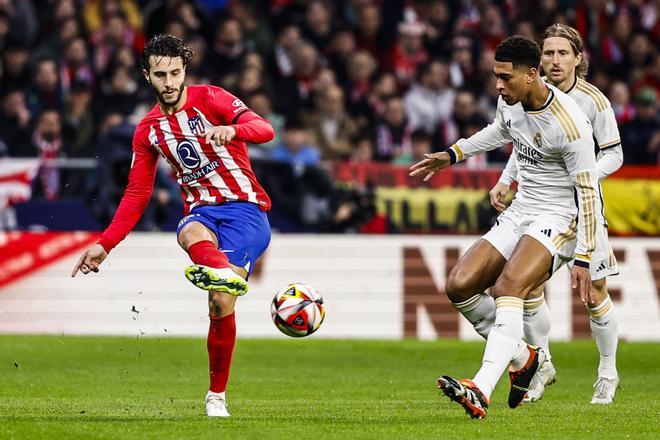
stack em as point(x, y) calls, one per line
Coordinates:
point(541, 230)
point(565, 67)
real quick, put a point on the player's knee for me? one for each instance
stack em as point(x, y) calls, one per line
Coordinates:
point(509, 285)
point(599, 293)
point(221, 304)
point(460, 285)
point(192, 233)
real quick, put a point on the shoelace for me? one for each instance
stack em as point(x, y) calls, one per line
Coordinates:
point(215, 400)
point(601, 387)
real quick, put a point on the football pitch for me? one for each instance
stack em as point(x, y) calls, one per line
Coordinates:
point(102, 387)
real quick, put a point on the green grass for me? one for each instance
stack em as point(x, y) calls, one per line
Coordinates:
point(65, 387)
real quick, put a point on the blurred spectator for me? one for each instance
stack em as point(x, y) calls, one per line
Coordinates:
point(288, 39)
point(118, 93)
point(437, 28)
point(383, 87)
point(75, 66)
point(96, 12)
point(393, 132)
point(228, 49)
point(640, 55)
point(45, 92)
point(109, 38)
point(339, 51)
point(16, 74)
point(361, 67)
point(462, 67)
point(262, 105)
point(21, 21)
point(465, 107)
point(330, 128)
point(318, 24)
point(47, 141)
point(614, 43)
point(79, 122)
point(651, 75)
point(492, 30)
point(408, 52)
point(640, 137)
point(54, 46)
point(15, 121)
point(420, 144)
point(295, 92)
point(294, 148)
point(620, 98)
point(430, 100)
point(370, 36)
point(258, 34)
point(363, 150)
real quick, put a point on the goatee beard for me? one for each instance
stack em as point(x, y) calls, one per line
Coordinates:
point(161, 98)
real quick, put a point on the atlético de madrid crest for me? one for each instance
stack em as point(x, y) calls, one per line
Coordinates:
point(196, 125)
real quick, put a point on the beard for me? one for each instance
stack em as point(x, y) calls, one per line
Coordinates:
point(173, 100)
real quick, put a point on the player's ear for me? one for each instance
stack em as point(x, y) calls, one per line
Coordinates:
point(146, 75)
point(531, 75)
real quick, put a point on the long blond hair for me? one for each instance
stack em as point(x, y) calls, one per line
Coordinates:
point(573, 37)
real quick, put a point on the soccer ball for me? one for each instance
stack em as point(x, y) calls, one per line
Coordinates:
point(297, 310)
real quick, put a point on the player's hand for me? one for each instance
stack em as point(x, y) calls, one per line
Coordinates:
point(497, 195)
point(90, 260)
point(221, 135)
point(431, 163)
point(581, 280)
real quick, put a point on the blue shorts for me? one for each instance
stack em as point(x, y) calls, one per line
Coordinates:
point(242, 230)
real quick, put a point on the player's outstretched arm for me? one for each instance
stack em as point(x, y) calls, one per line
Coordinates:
point(431, 164)
point(90, 260)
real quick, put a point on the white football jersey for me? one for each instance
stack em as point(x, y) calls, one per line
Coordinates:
point(605, 130)
point(599, 111)
point(554, 148)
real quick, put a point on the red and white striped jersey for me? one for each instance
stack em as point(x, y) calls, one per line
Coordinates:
point(208, 173)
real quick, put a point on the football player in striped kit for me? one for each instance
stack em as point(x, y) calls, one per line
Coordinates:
point(541, 230)
point(201, 131)
point(565, 66)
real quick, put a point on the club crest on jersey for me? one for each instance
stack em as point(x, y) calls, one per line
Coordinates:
point(537, 140)
point(188, 155)
point(196, 125)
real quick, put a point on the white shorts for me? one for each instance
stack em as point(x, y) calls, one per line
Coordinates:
point(603, 262)
point(556, 232)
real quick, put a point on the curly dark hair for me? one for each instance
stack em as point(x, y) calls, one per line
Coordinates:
point(166, 45)
point(519, 51)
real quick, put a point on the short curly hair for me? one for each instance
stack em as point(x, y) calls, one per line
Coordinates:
point(519, 51)
point(166, 45)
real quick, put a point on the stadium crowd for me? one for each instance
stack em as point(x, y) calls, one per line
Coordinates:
point(350, 80)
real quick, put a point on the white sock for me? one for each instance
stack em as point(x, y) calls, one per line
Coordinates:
point(222, 394)
point(504, 343)
point(605, 329)
point(480, 311)
point(537, 320)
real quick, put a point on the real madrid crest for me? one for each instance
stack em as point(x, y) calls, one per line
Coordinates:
point(537, 140)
